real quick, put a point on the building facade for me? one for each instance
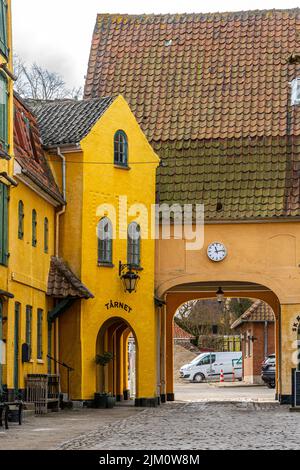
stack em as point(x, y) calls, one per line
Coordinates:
point(257, 329)
point(109, 185)
point(212, 94)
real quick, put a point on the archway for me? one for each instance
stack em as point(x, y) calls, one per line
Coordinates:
point(181, 293)
point(113, 340)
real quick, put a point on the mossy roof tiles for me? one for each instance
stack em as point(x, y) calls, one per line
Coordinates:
point(212, 94)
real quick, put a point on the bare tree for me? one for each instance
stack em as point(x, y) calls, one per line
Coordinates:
point(36, 83)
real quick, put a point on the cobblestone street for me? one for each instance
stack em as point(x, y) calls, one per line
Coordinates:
point(198, 426)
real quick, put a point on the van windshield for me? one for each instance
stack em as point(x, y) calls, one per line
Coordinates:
point(197, 358)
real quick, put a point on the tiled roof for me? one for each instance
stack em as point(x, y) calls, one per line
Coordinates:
point(28, 150)
point(258, 312)
point(63, 283)
point(232, 178)
point(179, 333)
point(68, 121)
point(212, 94)
point(199, 76)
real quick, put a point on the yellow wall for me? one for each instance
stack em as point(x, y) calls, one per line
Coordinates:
point(263, 253)
point(6, 166)
point(28, 275)
point(102, 182)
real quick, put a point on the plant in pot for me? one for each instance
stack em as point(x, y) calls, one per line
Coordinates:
point(104, 399)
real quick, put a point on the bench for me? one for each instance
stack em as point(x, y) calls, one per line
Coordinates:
point(5, 408)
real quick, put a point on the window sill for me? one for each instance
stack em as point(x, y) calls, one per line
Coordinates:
point(40, 361)
point(106, 265)
point(121, 167)
point(31, 361)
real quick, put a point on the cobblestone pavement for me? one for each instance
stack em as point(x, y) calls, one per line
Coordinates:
point(198, 426)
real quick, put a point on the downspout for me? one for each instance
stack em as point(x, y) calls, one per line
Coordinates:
point(58, 215)
point(63, 210)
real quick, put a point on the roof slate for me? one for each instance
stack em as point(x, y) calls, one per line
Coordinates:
point(63, 283)
point(68, 121)
point(199, 76)
point(29, 152)
point(258, 312)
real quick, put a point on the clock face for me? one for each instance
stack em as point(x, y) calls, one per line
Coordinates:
point(216, 251)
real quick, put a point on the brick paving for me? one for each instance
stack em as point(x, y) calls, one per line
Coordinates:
point(198, 426)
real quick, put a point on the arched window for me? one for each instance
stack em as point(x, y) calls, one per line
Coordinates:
point(34, 225)
point(134, 244)
point(21, 220)
point(105, 237)
point(120, 149)
point(46, 235)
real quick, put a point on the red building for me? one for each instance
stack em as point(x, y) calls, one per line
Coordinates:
point(257, 329)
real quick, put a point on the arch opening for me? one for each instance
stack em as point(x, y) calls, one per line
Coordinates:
point(117, 358)
point(256, 340)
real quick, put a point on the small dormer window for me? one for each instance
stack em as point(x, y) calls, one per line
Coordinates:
point(295, 92)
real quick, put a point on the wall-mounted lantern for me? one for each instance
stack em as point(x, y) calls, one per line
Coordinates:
point(129, 277)
point(220, 295)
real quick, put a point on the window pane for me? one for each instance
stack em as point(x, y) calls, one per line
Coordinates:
point(21, 221)
point(29, 327)
point(105, 235)
point(46, 235)
point(3, 224)
point(40, 334)
point(120, 148)
point(3, 113)
point(134, 244)
point(34, 225)
point(3, 27)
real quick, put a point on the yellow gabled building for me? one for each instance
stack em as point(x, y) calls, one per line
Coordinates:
point(108, 162)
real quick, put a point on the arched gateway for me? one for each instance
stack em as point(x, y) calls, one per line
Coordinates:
point(261, 263)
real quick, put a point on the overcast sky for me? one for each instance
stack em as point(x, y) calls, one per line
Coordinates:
point(57, 33)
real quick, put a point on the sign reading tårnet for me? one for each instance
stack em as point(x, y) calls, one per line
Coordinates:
point(118, 305)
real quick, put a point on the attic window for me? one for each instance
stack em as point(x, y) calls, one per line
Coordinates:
point(168, 42)
point(219, 207)
point(295, 84)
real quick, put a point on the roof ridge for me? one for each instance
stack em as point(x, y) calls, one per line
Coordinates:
point(205, 14)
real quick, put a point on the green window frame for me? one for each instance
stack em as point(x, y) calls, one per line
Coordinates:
point(134, 244)
point(105, 242)
point(21, 220)
point(17, 345)
point(34, 228)
point(46, 235)
point(3, 114)
point(1, 343)
point(3, 27)
point(28, 331)
point(49, 346)
point(3, 224)
point(40, 333)
point(120, 149)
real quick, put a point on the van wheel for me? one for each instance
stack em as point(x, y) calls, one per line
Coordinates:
point(198, 378)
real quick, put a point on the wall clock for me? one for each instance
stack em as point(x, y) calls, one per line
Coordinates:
point(216, 251)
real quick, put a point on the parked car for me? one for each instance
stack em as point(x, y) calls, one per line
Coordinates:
point(208, 366)
point(268, 371)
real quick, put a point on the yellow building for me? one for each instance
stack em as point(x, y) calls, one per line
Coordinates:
point(6, 154)
point(108, 178)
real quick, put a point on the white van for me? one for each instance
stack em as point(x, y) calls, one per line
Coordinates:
point(208, 366)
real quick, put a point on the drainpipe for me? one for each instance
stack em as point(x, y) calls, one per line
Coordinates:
point(266, 340)
point(58, 215)
point(63, 210)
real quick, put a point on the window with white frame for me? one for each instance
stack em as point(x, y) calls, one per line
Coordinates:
point(295, 92)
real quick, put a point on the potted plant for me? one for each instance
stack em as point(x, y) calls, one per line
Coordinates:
point(104, 399)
